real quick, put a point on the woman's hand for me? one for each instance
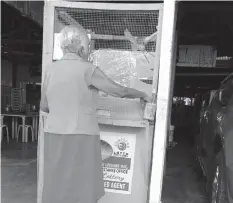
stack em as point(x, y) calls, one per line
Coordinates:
point(146, 98)
point(100, 81)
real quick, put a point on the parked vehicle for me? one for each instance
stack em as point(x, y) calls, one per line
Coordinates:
point(214, 144)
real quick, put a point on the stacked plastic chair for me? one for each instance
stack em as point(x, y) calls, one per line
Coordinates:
point(16, 99)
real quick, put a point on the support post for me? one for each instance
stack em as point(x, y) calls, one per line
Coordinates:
point(164, 99)
point(48, 35)
point(14, 74)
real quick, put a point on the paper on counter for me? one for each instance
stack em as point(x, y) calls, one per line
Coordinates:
point(144, 70)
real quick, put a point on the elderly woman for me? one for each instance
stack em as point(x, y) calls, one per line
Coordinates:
point(72, 162)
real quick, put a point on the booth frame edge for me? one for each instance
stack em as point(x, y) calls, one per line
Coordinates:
point(108, 5)
point(157, 53)
point(48, 35)
point(163, 100)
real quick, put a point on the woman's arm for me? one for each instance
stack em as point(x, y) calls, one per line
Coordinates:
point(105, 84)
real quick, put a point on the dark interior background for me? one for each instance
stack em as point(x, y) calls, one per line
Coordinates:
point(198, 23)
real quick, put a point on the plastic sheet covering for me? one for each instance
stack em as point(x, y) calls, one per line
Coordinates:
point(120, 66)
point(123, 67)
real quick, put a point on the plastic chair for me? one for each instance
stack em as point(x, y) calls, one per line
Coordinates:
point(4, 127)
point(27, 127)
point(7, 132)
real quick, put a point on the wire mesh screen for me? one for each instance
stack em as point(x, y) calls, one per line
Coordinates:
point(123, 42)
point(111, 24)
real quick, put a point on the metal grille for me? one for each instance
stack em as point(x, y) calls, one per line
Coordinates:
point(112, 23)
point(121, 40)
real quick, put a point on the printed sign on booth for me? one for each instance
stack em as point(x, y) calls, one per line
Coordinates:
point(118, 150)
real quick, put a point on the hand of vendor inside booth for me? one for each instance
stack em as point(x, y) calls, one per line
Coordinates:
point(102, 82)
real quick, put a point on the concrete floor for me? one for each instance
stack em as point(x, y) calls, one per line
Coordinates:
point(182, 181)
point(19, 175)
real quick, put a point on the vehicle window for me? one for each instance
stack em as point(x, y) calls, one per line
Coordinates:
point(226, 95)
point(215, 100)
point(212, 95)
point(215, 97)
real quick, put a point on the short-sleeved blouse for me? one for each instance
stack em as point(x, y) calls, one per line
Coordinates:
point(72, 102)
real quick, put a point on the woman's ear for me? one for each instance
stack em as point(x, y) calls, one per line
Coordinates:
point(81, 51)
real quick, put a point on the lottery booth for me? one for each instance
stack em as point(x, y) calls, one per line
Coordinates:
point(126, 45)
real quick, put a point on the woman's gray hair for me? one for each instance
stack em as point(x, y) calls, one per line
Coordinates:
point(71, 39)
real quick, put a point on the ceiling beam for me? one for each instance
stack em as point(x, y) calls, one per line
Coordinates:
point(206, 6)
point(30, 9)
point(10, 52)
point(202, 74)
point(15, 41)
point(22, 53)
